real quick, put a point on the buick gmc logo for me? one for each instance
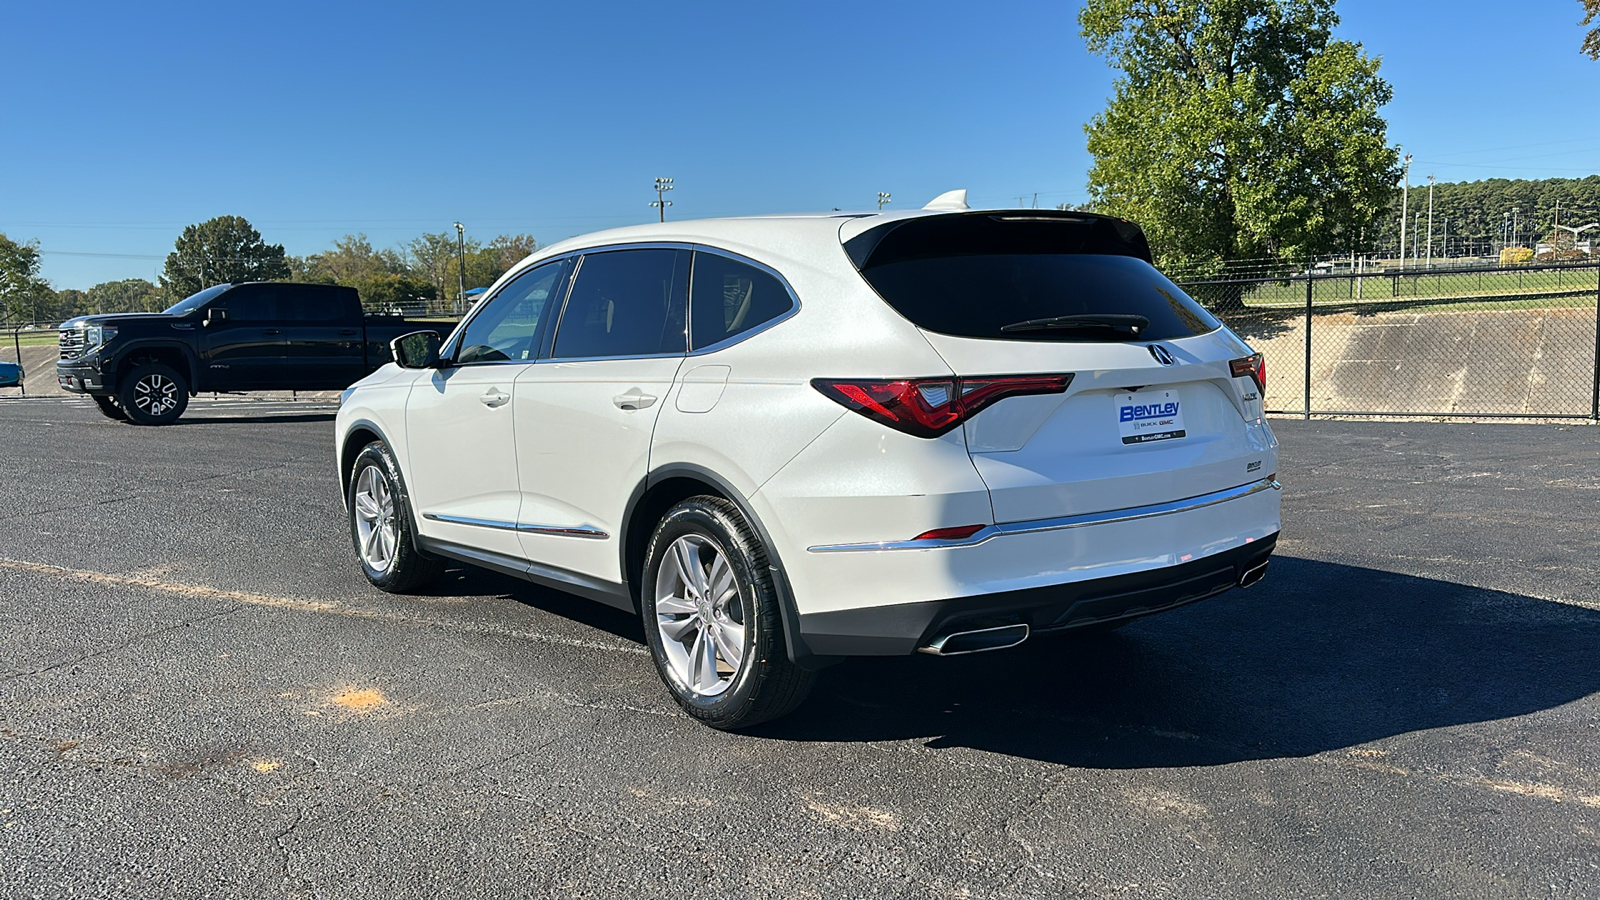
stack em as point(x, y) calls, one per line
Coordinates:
point(1162, 354)
point(1143, 411)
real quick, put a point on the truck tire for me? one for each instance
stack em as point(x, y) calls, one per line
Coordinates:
point(153, 394)
point(108, 405)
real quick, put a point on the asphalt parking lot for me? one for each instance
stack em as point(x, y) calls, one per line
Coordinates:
point(201, 696)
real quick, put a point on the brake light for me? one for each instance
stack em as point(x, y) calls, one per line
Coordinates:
point(1254, 365)
point(929, 407)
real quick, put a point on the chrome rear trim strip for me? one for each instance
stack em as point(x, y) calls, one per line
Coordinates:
point(1099, 518)
point(577, 531)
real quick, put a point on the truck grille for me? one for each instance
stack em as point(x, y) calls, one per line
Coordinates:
point(71, 343)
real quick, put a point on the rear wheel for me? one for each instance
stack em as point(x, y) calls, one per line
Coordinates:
point(380, 524)
point(153, 394)
point(108, 405)
point(713, 621)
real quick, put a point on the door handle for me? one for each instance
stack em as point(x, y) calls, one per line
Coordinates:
point(346, 332)
point(270, 331)
point(634, 400)
point(495, 398)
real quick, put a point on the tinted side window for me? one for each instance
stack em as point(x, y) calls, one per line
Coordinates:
point(251, 303)
point(507, 327)
point(626, 303)
point(311, 305)
point(730, 297)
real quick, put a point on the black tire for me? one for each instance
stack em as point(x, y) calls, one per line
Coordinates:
point(381, 529)
point(764, 684)
point(153, 394)
point(108, 406)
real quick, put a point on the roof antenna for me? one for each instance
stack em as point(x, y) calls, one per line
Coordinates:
point(949, 200)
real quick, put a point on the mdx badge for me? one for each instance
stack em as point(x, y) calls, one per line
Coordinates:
point(1162, 354)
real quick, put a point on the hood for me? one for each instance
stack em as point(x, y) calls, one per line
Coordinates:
point(115, 318)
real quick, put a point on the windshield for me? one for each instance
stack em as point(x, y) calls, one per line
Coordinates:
point(194, 301)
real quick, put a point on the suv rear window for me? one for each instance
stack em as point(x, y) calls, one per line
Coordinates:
point(973, 275)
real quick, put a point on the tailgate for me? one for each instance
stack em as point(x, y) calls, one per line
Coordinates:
point(1130, 430)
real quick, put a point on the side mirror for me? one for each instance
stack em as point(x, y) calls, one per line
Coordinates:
point(213, 316)
point(417, 350)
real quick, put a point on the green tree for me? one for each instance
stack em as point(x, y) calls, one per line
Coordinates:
point(1591, 41)
point(223, 249)
point(24, 296)
point(127, 295)
point(433, 257)
point(1240, 129)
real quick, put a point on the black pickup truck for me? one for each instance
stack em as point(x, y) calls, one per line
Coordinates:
point(255, 336)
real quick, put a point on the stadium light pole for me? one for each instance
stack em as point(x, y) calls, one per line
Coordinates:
point(883, 197)
point(661, 202)
point(461, 270)
point(1405, 196)
point(1430, 220)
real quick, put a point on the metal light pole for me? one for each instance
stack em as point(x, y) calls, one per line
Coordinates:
point(461, 273)
point(1405, 196)
point(883, 197)
point(1430, 222)
point(661, 202)
point(1516, 227)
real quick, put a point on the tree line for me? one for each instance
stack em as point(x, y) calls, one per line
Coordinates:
point(424, 274)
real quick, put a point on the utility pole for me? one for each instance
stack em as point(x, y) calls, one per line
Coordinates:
point(1405, 196)
point(461, 271)
point(661, 202)
point(1430, 222)
point(883, 198)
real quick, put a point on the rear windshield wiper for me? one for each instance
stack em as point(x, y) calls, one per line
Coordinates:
point(1113, 321)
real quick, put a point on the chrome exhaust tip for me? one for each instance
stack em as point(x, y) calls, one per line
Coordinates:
point(1253, 574)
point(959, 643)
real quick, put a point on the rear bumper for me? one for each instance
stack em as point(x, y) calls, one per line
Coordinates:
point(900, 629)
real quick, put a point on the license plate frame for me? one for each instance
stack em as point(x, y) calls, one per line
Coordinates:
point(1149, 416)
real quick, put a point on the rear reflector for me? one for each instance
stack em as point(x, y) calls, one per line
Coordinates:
point(1253, 365)
point(930, 407)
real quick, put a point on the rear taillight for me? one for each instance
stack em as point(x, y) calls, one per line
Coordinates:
point(929, 407)
point(1253, 365)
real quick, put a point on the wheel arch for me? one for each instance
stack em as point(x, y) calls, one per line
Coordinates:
point(667, 486)
point(175, 354)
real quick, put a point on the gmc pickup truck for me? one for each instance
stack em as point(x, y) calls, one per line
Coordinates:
point(255, 336)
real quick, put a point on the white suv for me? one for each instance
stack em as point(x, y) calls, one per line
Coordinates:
point(784, 441)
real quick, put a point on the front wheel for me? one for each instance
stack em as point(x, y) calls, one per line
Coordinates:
point(713, 621)
point(153, 394)
point(380, 524)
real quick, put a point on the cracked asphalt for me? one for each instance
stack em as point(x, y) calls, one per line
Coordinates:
point(201, 697)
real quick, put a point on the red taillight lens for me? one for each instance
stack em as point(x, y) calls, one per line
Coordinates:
point(929, 407)
point(949, 534)
point(1253, 365)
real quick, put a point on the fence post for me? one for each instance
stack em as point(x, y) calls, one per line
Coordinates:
point(1594, 400)
point(1309, 283)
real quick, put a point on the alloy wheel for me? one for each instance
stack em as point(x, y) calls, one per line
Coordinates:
point(701, 615)
point(377, 531)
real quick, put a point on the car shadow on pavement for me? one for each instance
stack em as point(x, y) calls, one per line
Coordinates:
point(470, 581)
point(254, 420)
point(1317, 657)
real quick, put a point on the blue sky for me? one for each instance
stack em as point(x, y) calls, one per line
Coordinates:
point(123, 122)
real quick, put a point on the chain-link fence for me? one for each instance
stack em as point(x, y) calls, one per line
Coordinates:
point(1519, 342)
